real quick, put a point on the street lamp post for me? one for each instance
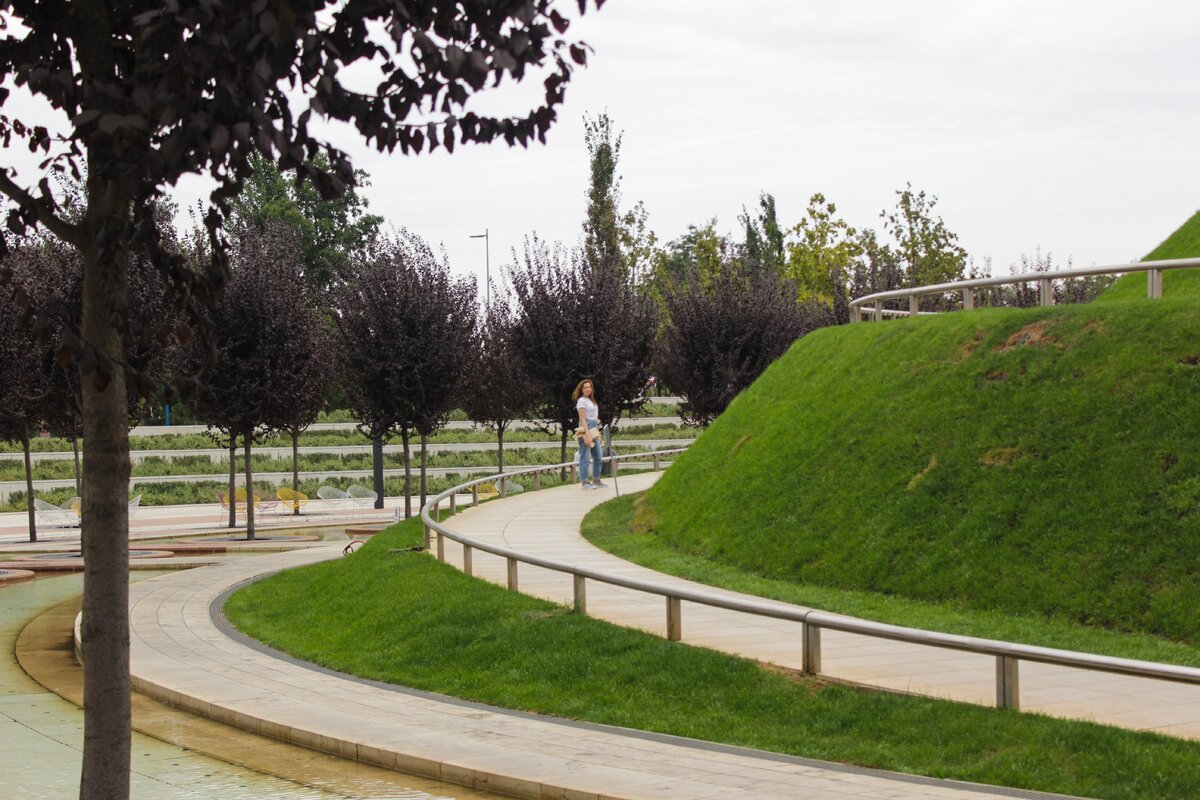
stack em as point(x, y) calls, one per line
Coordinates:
point(487, 266)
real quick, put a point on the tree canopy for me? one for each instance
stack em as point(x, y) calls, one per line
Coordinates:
point(402, 324)
point(329, 230)
point(497, 388)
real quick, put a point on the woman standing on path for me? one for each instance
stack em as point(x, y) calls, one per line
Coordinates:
point(588, 433)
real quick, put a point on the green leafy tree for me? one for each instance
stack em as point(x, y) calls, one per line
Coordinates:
point(601, 226)
point(328, 230)
point(764, 238)
point(698, 255)
point(613, 239)
point(877, 269)
point(821, 257)
point(639, 243)
point(928, 250)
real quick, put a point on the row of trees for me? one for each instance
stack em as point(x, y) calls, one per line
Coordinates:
point(827, 262)
point(377, 322)
point(140, 95)
point(319, 304)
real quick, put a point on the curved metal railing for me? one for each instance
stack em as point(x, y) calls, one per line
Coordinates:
point(1045, 280)
point(1008, 655)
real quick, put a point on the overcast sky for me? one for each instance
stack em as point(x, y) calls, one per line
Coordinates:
point(1066, 125)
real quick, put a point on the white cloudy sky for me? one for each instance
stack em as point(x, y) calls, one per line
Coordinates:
point(1066, 125)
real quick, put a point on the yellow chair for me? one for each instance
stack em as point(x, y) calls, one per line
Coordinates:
point(291, 500)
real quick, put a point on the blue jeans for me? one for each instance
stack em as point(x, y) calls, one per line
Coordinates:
point(596, 451)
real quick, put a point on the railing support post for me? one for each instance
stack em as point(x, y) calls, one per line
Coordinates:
point(968, 299)
point(1008, 683)
point(914, 306)
point(674, 619)
point(657, 463)
point(580, 594)
point(453, 505)
point(574, 473)
point(879, 311)
point(811, 655)
point(441, 546)
point(504, 487)
point(1154, 284)
point(475, 494)
point(855, 314)
point(1046, 295)
point(467, 559)
point(512, 574)
point(537, 481)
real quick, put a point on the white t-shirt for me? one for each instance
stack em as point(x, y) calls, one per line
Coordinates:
point(591, 410)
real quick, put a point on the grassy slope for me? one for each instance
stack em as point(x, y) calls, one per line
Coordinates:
point(611, 526)
point(925, 459)
point(414, 621)
point(1183, 243)
point(928, 461)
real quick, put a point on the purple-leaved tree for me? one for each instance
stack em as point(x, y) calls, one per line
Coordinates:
point(403, 329)
point(497, 389)
point(719, 337)
point(146, 92)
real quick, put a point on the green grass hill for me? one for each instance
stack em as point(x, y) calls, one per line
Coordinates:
point(1183, 243)
point(1039, 461)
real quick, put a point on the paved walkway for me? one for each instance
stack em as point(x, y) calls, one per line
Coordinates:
point(181, 655)
point(547, 524)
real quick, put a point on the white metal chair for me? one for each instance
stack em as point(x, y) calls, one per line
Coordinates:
point(361, 496)
point(52, 516)
point(334, 498)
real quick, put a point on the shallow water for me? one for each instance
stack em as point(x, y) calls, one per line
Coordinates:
point(42, 737)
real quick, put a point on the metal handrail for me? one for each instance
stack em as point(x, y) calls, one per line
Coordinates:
point(812, 621)
point(1154, 270)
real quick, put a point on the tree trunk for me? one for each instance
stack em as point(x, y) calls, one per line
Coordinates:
point(249, 437)
point(75, 448)
point(500, 447)
point(407, 475)
point(377, 468)
point(232, 496)
point(29, 486)
point(105, 535)
point(424, 463)
point(295, 469)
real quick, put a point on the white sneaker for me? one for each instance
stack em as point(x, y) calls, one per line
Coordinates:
point(599, 484)
point(587, 485)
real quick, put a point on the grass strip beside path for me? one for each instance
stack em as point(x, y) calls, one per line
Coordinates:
point(614, 527)
point(391, 614)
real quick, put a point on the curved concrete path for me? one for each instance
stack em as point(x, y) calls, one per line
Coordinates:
point(184, 657)
point(547, 524)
